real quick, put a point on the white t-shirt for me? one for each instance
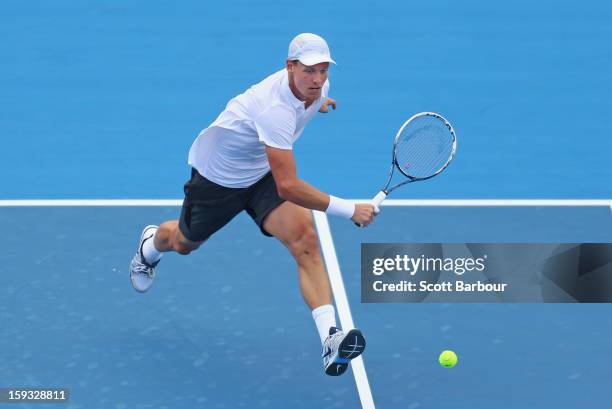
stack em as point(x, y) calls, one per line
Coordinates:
point(231, 151)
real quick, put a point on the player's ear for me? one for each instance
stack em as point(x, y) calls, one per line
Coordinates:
point(289, 66)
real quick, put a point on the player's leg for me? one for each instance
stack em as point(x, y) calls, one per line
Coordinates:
point(207, 208)
point(294, 227)
point(154, 241)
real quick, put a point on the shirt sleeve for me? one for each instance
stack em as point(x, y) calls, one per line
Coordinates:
point(276, 127)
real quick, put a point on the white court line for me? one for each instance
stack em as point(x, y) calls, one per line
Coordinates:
point(494, 202)
point(342, 305)
point(390, 202)
point(89, 202)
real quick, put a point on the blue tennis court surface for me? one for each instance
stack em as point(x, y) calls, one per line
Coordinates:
point(226, 327)
point(101, 100)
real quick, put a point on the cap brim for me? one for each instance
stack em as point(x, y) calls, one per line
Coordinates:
point(316, 59)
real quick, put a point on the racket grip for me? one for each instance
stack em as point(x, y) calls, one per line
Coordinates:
point(378, 199)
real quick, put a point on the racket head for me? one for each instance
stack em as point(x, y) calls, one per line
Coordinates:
point(424, 146)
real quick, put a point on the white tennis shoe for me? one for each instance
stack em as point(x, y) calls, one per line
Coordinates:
point(142, 273)
point(339, 348)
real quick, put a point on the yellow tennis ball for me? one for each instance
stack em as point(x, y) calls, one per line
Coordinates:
point(448, 359)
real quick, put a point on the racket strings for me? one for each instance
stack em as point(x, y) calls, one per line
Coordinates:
point(420, 157)
point(424, 147)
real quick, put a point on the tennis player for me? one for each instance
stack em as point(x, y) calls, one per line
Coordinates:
point(244, 161)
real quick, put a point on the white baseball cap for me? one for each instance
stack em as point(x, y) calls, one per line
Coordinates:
point(309, 49)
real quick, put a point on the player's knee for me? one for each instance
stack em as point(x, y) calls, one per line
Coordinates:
point(311, 241)
point(306, 244)
point(183, 248)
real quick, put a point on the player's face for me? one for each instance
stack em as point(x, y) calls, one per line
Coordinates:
point(306, 81)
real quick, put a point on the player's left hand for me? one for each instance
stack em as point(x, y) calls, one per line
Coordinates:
point(325, 107)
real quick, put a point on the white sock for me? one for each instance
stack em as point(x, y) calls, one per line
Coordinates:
point(325, 318)
point(149, 252)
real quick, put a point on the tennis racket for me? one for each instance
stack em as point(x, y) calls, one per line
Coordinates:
point(424, 146)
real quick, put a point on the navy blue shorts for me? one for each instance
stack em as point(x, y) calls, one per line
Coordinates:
point(207, 206)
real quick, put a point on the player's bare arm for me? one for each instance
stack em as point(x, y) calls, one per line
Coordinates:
point(295, 190)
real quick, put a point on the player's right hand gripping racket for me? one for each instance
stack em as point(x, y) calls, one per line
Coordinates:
point(423, 147)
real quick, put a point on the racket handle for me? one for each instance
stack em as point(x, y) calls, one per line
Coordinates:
point(378, 199)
